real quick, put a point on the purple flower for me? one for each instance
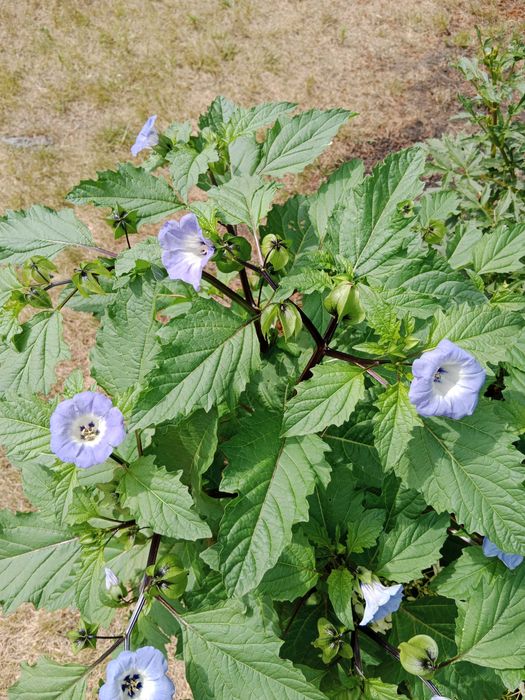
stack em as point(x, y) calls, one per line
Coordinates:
point(85, 429)
point(185, 251)
point(380, 600)
point(439, 697)
point(140, 675)
point(446, 382)
point(147, 137)
point(511, 561)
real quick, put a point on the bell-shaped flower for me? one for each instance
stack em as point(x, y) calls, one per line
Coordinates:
point(511, 561)
point(85, 429)
point(447, 381)
point(137, 675)
point(111, 578)
point(185, 251)
point(380, 600)
point(147, 137)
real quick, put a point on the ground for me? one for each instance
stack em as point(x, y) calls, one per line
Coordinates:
point(79, 77)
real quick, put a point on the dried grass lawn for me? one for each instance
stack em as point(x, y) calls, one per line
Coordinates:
point(79, 77)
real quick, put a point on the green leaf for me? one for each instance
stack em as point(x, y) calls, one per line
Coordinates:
point(375, 689)
point(89, 585)
point(500, 251)
point(484, 331)
point(411, 546)
point(217, 114)
point(208, 358)
point(294, 143)
point(40, 230)
point(433, 616)
point(364, 527)
point(458, 579)
point(186, 164)
point(29, 361)
point(489, 628)
point(328, 398)
point(228, 657)
point(244, 200)
point(24, 429)
point(131, 189)
point(272, 477)
point(293, 575)
point(472, 469)
point(147, 250)
point(437, 206)
point(35, 559)
point(121, 359)
point(341, 585)
point(246, 121)
point(393, 424)
point(158, 499)
point(49, 680)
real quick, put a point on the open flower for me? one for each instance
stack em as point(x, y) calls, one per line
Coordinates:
point(511, 561)
point(139, 675)
point(185, 251)
point(86, 428)
point(380, 600)
point(146, 138)
point(446, 382)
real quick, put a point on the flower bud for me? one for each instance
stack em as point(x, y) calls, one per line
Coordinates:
point(268, 318)
point(290, 319)
point(114, 587)
point(275, 251)
point(344, 301)
point(419, 655)
point(233, 247)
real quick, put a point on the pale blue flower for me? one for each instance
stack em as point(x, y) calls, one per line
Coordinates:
point(85, 429)
point(146, 138)
point(439, 697)
point(139, 675)
point(111, 578)
point(380, 600)
point(447, 381)
point(185, 251)
point(511, 561)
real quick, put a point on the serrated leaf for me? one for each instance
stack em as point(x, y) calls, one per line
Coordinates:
point(328, 398)
point(500, 251)
point(228, 657)
point(41, 231)
point(35, 559)
point(246, 121)
point(434, 616)
point(217, 114)
point(484, 331)
point(293, 575)
point(437, 206)
point(131, 189)
point(157, 499)
point(393, 424)
point(29, 361)
point(459, 578)
point(50, 680)
point(294, 143)
point(410, 547)
point(272, 477)
point(209, 357)
point(24, 429)
point(375, 689)
point(471, 469)
point(489, 628)
point(364, 527)
point(186, 164)
point(89, 585)
point(244, 199)
point(148, 250)
point(121, 359)
point(340, 590)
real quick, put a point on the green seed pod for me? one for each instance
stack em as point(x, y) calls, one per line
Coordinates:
point(344, 302)
point(434, 232)
point(331, 641)
point(233, 247)
point(168, 577)
point(275, 251)
point(290, 319)
point(268, 318)
point(419, 655)
point(83, 638)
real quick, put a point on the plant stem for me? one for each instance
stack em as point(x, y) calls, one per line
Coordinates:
point(322, 346)
point(140, 451)
point(229, 292)
point(263, 344)
point(63, 303)
point(357, 653)
point(59, 283)
point(107, 653)
point(103, 251)
point(360, 362)
point(152, 557)
point(172, 610)
point(127, 240)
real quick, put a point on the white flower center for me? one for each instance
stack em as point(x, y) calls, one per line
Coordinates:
point(445, 378)
point(131, 685)
point(88, 429)
point(196, 247)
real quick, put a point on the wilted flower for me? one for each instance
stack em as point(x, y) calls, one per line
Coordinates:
point(446, 382)
point(185, 251)
point(85, 429)
point(511, 561)
point(380, 600)
point(146, 138)
point(140, 675)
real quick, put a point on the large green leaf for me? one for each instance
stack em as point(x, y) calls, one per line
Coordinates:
point(121, 359)
point(293, 575)
point(393, 424)
point(50, 680)
point(458, 579)
point(89, 585)
point(246, 121)
point(35, 559)
point(29, 361)
point(293, 143)
point(131, 189)
point(40, 231)
point(230, 656)
point(433, 616)
point(500, 251)
point(208, 357)
point(244, 200)
point(341, 586)
point(470, 467)
point(24, 429)
point(328, 398)
point(157, 499)
point(489, 629)
point(186, 164)
point(272, 477)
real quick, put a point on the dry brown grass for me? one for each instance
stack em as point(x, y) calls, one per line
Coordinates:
point(83, 74)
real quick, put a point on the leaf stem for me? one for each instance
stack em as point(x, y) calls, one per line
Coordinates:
point(107, 653)
point(63, 303)
point(321, 349)
point(140, 451)
point(360, 362)
point(237, 298)
point(152, 557)
point(263, 344)
point(103, 251)
point(357, 653)
point(171, 609)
